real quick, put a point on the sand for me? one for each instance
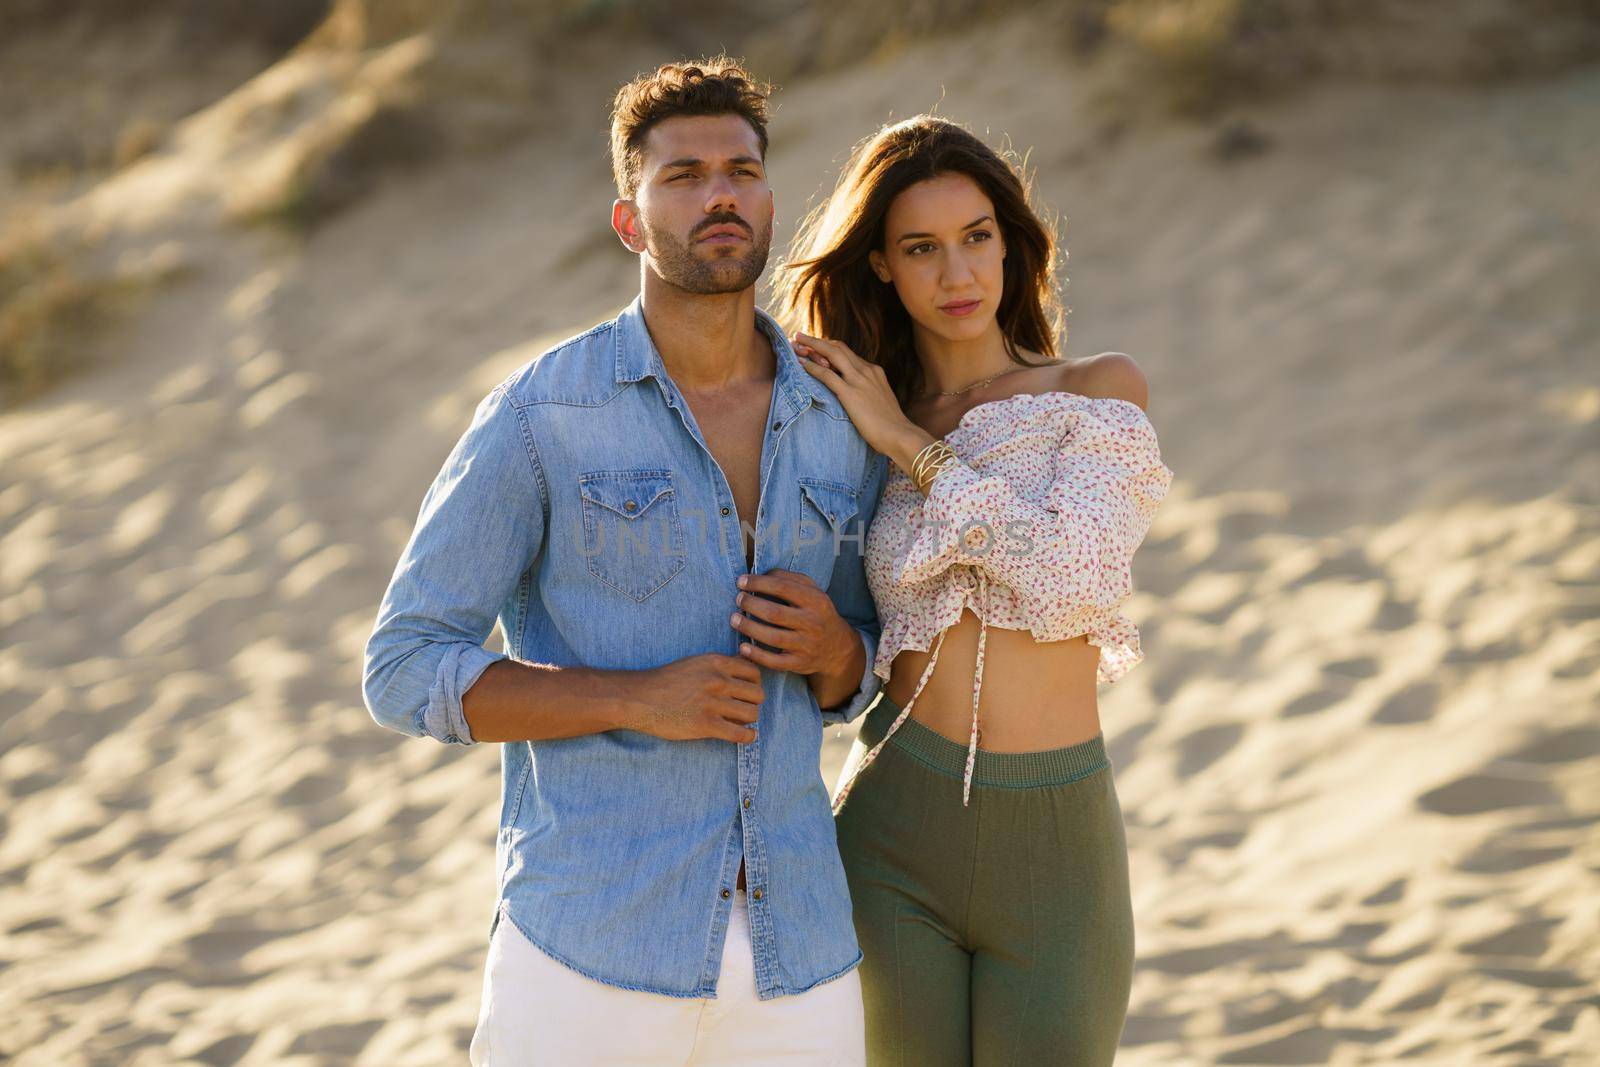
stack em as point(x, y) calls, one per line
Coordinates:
point(1360, 766)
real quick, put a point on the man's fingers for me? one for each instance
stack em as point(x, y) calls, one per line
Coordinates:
point(774, 661)
point(731, 731)
point(773, 583)
point(735, 710)
point(760, 631)
point(790, 586)
point(737, 668)
point(772, 611)
point(747, 692)
point(791, 576)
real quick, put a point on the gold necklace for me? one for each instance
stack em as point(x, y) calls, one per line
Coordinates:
point(985, 381)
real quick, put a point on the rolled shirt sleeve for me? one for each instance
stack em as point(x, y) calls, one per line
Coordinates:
point(865, 693)
point(480, 526)
point(443, 718)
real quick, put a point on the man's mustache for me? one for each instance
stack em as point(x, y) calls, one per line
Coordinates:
point(725, 219)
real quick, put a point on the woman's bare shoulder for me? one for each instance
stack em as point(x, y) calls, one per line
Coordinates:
point(1108, 374)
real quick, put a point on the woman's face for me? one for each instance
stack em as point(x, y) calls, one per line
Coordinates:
point(943, 253)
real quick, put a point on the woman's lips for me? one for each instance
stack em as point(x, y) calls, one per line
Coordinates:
point(960, 307)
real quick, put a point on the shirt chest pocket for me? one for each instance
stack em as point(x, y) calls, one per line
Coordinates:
point(825, 528)
point(633, 536)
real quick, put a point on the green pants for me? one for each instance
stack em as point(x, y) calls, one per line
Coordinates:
point(998, 933)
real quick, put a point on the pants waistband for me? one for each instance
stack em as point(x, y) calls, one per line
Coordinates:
point(1014, 770)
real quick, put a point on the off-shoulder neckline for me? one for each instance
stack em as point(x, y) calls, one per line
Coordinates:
point(895, 471)
point(961, 424)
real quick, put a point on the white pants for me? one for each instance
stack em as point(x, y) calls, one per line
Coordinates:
point(536, 1011)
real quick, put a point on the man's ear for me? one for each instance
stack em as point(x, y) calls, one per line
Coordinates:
point(625, 223)
point(880, 266)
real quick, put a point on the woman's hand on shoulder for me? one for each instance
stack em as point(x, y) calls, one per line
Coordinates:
point(864, 391)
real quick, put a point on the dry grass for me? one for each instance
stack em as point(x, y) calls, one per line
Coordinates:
point(343, 165)
point(1196, 56)
point(51, 308)
point(1189, 45)
point(1204, 54)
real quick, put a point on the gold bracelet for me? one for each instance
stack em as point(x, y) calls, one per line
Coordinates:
point(934, 470)
point(927, 464)
point(937, 461)
point(919, 462)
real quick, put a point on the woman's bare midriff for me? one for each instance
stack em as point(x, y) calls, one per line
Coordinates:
point(1036, 694)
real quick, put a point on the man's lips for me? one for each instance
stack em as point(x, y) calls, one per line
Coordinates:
point(960, 307)
point(723, 235)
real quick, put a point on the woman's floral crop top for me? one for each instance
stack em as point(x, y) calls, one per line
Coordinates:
point(1033, 529)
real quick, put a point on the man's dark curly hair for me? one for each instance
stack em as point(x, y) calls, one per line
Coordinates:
point(714, 86)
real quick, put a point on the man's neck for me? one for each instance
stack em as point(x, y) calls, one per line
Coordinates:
point(706, 342)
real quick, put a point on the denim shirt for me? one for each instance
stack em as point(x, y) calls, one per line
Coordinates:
point(582, 510)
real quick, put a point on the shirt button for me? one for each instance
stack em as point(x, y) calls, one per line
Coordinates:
point(756, 893)
point(747, 802)
point(777, 425)
point(724, 511)
point(630, 505)
point(726, 894)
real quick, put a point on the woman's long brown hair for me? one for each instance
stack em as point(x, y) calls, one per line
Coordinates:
point(828, 289)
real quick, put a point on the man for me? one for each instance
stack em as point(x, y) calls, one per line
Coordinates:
point(666, 516)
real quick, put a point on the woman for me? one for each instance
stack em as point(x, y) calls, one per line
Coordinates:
point(984, 843)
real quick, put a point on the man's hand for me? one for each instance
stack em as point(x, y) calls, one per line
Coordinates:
point(709, 695)
point(788, 612)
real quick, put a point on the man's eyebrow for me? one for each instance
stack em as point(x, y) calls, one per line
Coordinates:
point(968, 226)
point(691, 161)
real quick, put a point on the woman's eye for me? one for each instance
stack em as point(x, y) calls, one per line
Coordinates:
point(685, 174)
point(917, 250)
point(984, 234)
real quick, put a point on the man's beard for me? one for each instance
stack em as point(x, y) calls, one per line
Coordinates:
point(678, 265)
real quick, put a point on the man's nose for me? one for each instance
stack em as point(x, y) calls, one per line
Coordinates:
point(720, 195)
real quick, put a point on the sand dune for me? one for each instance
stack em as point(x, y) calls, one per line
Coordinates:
point(1360, 766)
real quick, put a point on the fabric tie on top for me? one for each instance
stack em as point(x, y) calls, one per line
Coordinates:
point(977, 691)
point(980, 589)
